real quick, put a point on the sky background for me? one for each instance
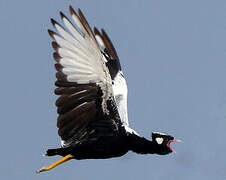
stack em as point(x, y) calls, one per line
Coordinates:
point(173, 54)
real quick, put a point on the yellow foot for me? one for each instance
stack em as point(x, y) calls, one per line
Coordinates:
point(62, 160)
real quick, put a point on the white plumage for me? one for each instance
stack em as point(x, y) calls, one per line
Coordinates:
point(120, 93)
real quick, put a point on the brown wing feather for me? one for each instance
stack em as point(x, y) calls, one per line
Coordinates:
point(77, 105)
point(109, 45)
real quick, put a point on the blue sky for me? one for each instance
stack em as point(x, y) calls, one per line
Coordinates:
point(173, 54)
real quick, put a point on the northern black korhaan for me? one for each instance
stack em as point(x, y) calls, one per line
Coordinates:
point(92, 107)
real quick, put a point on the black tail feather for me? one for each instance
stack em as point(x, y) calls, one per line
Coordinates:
point(58, 151)
point(51, 152)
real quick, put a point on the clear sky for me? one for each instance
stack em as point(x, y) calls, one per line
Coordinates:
point(173, 54)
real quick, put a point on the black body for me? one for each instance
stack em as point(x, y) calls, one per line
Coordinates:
point(111, 146)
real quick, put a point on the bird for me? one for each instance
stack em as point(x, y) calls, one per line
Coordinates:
point(92, 97)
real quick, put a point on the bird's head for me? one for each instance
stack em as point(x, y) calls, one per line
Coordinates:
point(162, 142)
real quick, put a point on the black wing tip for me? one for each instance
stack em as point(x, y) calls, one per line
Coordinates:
point(53, 21)
point(72, 11)
point(55, 45)
point(61, 76)
point(56, 56)
point(80, 13)
point(62, 15)
point(83, 20)
point(51, 33)
point(58, 67)
point(104, 32)
point(96, 31)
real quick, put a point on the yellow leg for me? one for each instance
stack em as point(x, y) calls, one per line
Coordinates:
point(62, 160)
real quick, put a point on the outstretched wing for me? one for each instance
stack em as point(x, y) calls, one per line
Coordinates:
point(86, 105)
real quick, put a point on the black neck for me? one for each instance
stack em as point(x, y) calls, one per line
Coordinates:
point(141, 145)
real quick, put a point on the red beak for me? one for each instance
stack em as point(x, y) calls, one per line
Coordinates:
point(174, 140)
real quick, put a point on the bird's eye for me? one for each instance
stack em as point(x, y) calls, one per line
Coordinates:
point(159, 140)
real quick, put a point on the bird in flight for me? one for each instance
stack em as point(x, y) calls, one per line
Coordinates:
point(92, 105)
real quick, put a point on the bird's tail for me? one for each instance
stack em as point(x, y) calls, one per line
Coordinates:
point(58, 151)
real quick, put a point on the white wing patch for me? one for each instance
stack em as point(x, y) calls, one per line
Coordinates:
point(120, 93)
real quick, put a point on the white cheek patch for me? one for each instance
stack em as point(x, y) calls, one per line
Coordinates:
point(159, 140)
